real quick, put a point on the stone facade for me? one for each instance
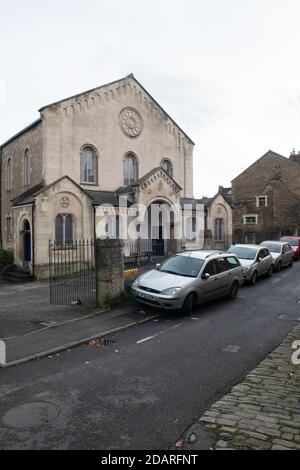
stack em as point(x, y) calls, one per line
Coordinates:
point(266, 199)
point(113, 120)
point(14, 150)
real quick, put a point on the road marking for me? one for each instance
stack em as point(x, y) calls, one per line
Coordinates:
point(2, 353)
point(158, 334)
point(231, 349)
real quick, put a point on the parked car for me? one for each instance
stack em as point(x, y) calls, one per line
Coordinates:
point(255, 259)
point(295, 244)
point(189, 278)
point(282, 253)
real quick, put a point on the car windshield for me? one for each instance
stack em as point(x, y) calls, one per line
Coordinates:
point(292, 241)
point(243, 252)
point(273, 247)
point(182, 266)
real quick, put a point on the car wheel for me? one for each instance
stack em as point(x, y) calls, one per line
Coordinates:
point(188, 304)
point(253, 278)
point(291, 263)
point(279, 266)
point(270, 272)
point(233, 291)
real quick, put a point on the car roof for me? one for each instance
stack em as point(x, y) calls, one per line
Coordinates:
point(202, 254)
point(274, 242)
point(246, 246)
point(290, 236)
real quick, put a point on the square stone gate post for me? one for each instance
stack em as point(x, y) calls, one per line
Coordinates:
point(109, 271)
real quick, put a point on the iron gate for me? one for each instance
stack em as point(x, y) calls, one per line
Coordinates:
point(72, 273)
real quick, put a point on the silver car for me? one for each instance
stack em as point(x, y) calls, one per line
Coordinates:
point(282, 253)
point(187, 279)
point(255, 259)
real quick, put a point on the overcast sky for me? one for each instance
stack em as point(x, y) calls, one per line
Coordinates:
point(228, 71)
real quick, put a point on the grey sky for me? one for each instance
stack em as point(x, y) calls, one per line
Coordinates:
point(226, 70)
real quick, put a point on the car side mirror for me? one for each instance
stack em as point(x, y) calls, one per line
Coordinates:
point(157, 265)
point(205, 276)
point(258, 260)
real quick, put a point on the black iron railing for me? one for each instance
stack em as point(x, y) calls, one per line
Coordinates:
point(72, 273)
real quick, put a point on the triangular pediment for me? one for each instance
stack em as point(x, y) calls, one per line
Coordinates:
point(102, 95)
point(158, 176)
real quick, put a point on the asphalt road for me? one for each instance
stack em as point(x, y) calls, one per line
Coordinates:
point(145, 389)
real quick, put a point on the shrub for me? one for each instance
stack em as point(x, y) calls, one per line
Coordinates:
point(6, 257)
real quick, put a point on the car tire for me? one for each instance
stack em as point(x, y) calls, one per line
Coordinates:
point(279, 266)
point(188, 305)
point(234, 289)
point(270, 272)
point(253, 279)
point(291, 263)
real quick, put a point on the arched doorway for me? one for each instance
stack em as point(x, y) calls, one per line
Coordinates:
point(161, 227)
point(26, 235)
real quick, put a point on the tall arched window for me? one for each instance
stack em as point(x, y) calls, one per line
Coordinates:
point(9, 175)
point(26, 168)
point(219, 229)
point(64, 229)
point(88, 165)
point(130, 169)
point(167, 166)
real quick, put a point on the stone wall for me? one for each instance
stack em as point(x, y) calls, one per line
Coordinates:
point(278, 178)
point(31, 140)
point(109, 265)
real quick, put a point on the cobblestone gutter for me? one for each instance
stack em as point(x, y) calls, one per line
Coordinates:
point(262, 412)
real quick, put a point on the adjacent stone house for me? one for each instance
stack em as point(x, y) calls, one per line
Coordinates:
point(218, 220)
point(266, 199)
point(82, 153)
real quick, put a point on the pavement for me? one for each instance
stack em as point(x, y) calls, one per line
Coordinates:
point(48, 329)
point(146, 385)
point(260, 413)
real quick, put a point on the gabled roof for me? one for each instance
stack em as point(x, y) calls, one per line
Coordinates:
point(31, 126)
point(28, 197)
point(106, 197)
point(267, 154)
point(112, 83)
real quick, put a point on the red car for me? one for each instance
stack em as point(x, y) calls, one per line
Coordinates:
point(295, 244)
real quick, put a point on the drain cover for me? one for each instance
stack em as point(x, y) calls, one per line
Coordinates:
point(30, 415)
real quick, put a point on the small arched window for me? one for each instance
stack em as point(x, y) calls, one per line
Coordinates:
point(26, 168)
point(9, 174)
point(88, 165)
point(130, 169)
point(167, 166)
point(64, 229)
point(219, 229)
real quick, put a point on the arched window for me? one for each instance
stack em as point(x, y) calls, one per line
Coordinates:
point(26, 168)
point(64, 229)
point(167, 166)
point(219, 229)
point(88, 165)
point(9, 175)
point(130, 169)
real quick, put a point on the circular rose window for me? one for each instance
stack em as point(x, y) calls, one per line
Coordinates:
point(131, 122)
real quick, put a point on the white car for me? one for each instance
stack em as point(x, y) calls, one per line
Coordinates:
point(255, 259)
point(282, 253)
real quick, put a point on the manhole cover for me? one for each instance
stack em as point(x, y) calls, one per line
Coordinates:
point(30, 415)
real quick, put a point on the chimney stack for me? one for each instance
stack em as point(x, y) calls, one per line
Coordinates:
point(295, 157)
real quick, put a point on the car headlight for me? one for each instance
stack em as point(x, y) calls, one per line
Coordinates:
point(171, 291)
point(136, 283)
point(246, 269)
